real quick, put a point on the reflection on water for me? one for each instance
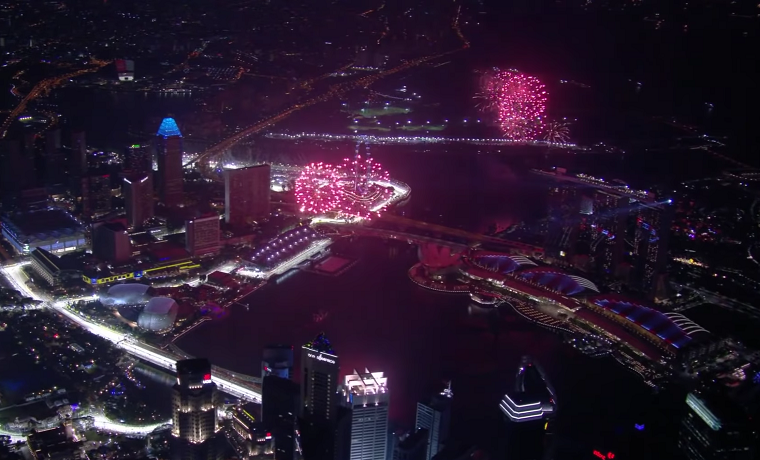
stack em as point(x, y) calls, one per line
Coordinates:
point(379, 319)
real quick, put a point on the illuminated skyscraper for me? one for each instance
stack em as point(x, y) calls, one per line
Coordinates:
point(716, 428)
point(246, 194)
point(194, 405)
point(169, 155)
point(364, 434)
point(527, 410)
point(138, 198)
point(319, 366)
point(651, 244)
point(606, 226)
point(96, 194)
point(277, 360)
point(202, 235)
point(319, 397)
point(137, 159)
point(434, 416)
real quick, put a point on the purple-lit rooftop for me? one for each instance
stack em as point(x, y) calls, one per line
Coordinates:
point(321, 344)
point(557, 281)
point(674, 328)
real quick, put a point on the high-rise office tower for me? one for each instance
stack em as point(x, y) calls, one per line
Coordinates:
point(15, 167)
point(607, 225)
point(434, 416)
point(319, 366)
point(277, 360)
point(79, 164)
point(319, 398)
point(202, 235)
point(250, 438)
point(52, 141)
point(716, 428)
point(246, 194)
point(96, 194)
point(364, 434)
point(279, 406)
point(138, 159)
point(169, 155)
point(111, 243)
point(138, 198)
point(30, 144)
point(413, 446)
point(527, 410)
point(651, 244)
point(562, 222)
point(194, 405)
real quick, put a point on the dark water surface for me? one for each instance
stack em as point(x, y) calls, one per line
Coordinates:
point(377, 318)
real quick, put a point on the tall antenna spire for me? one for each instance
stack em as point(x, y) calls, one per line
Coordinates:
point(447, 391)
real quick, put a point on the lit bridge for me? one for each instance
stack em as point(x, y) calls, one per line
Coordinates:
point(335, 90)
point(462, 237)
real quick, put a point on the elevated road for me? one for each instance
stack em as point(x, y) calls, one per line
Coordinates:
point(360, 230)
point(332, 91)
point(722, 302)
point(238, 385)
point(44, 87)
point(439, 232)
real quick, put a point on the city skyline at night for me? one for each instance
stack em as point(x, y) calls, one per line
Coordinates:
point(294, 230)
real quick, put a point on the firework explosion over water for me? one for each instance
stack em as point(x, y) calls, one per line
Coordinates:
point(517, 101)
point(352, 189)
point(317, 189)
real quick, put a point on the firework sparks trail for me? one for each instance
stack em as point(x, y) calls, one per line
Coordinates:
point(352, 190)
point(361, 191)
point(317, 189)
point(517, 100)
point(557, 132)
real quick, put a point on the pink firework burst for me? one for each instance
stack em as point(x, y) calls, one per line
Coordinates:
point(365, 187)
point(518, 102)
point(318, 189)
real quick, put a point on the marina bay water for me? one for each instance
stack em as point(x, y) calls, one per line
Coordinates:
point(377, 318)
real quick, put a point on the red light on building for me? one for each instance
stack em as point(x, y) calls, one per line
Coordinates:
point(207, 377)
point(609, 456)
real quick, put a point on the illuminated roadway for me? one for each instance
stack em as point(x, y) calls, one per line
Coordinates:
point(405, 223)
point(333, 91)
point(238, 385)
point(423, 140)
point(44, 87)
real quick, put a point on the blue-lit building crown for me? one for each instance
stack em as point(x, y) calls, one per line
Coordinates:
point(168, 128)
point(321, 344)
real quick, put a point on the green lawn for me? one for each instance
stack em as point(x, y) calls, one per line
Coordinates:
point(422, 127)
point(369, 128)
point(371, 112)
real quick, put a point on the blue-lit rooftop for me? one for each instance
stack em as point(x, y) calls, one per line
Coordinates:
point(320, 343)
point(168, 128)
point(673, 328)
